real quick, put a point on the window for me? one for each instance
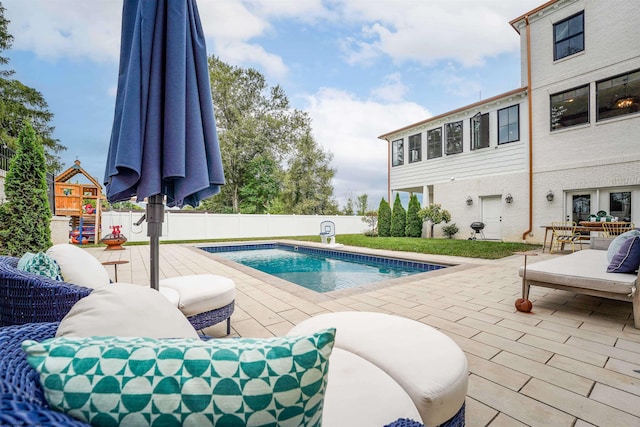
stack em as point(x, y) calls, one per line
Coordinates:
point(570, 108)
point(415, 148)
point(618, 96)
point(620, 205)
point(480, 131)
point(509, 124)
point(397, 152)
point(434, 143)
point(453, 135)
point(568, 36)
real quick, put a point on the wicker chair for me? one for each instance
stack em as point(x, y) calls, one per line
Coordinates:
point(30, 298)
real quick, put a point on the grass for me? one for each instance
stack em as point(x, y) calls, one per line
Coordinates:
point(465, 248)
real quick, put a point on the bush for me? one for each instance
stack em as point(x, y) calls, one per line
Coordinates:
point(371, 219)
point(384, 219)
point(414, 222)
point(450, 230)
point(398, 218)
point(25, 218)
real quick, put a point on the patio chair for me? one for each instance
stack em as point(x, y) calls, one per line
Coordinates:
point(564, 232)
point(613, 229)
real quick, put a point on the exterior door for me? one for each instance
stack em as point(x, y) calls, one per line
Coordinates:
point(579, 206)
point(492, 217)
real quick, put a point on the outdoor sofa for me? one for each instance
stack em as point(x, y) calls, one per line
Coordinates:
point(27, 297)
point(584, 272)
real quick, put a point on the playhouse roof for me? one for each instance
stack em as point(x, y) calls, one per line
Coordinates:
point(73, 171)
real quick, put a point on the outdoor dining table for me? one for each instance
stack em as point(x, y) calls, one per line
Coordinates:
point(582, 227)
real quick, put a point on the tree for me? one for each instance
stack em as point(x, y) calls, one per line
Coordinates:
point(307, 185)
point(348, 208)
point(371, 219)
point(25, 219)
point(362, 204)
point(435, 214)
point(414, 222)
point(384, 219)
point(19, 102)
point(398, 218)
point(267, 148)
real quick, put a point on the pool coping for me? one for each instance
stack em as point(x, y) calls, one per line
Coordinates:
point(451, 267)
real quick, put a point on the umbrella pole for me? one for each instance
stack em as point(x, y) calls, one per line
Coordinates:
point(155, 218)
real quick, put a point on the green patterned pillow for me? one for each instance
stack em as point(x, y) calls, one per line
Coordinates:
point(108, 381)
point(41, 264)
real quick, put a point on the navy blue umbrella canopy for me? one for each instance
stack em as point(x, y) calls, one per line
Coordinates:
point(164, 141)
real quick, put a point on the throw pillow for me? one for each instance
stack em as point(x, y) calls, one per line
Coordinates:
point(627, 260)
point(22, 262)
point(110, 381)
point(125, 310)
point(41, 264)
point(79, 266)
point(614, 247)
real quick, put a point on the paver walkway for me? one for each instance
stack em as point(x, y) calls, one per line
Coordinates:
point(572, 362)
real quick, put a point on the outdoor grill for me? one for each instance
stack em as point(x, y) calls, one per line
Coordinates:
point(477, 227)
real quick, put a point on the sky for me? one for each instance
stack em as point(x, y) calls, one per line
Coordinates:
point(360, 68)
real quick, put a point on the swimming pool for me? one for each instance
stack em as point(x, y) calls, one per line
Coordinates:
point(320, 270)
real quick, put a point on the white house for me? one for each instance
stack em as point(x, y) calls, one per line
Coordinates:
point(563, 146)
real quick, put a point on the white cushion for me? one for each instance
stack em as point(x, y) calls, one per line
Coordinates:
point(426, 363)
point(585, 269)
point(128, 311)
point(78, 266)
point(201, 292)
point(360, 394)
point(171, 295)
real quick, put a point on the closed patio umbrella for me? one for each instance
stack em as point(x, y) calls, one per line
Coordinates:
point(164, 143)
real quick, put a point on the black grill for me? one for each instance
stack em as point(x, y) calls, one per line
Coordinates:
point(477, 226)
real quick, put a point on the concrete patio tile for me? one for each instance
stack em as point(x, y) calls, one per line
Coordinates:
point(564, 349)
point(478, 414)
point(616, 374)
point(251, 328)
point(605, 350)
point(628, 345)
point(534, 330)
point(581, 407)
point(530, 411)
point(280, 329)
point(577, 332)
point(619, 399)
point(545, 372)
point(438, 312)
point(497, 373)
point(491, 328)
point(474, 314)
point(472, 347)
point(503, 420)
point(447, 326)
point(527, 351)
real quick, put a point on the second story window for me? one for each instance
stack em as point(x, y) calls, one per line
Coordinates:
point(453, 135)
point(568, 36)
point(434, 143)
point(570, 108)
point(415, 148)
point(397, 152)
point(509, 124)
point(480, 131)
point(618, 96)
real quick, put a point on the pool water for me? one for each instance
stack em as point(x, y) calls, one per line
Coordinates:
point(320, 270)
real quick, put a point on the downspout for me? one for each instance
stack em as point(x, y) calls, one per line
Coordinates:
point(388, 170)
point(529, 102)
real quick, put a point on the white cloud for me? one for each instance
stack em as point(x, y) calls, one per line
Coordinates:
point(66, 28)
point(393, 91)
point(429, 31)
point(349, 128)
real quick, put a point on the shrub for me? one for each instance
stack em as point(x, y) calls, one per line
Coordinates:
point(398, 218)
point(435, 214)
point(450, 230)
point(25, 218)
point(384, 219)
point(371, 219)
point(414, 222)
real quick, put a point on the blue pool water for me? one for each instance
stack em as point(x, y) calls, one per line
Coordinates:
point(320, 270)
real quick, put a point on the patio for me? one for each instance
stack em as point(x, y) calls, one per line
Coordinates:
point(569, 363)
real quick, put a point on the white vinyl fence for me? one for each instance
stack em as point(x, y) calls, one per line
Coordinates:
point(193, 225)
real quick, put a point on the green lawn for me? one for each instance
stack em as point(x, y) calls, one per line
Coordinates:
point(464, 248)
